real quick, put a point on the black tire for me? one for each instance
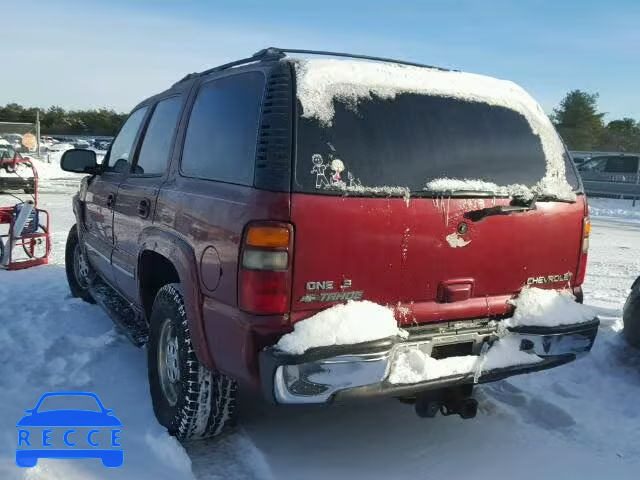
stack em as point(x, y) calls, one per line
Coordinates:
point(191, 401)
point(73, 257)
point(631, 315)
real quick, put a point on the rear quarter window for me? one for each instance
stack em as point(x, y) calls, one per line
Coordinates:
point(220, 143)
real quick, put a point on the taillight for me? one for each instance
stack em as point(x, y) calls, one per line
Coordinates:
point(586, 231)
point(584, 250)
point(264, 280)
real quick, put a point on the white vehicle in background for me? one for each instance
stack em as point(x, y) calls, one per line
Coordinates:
point(79, 143)
point(60, 147)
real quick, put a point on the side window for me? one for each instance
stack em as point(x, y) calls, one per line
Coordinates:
point(621, 165)
point(122, 147)
point(154, 152)
point(220, 143)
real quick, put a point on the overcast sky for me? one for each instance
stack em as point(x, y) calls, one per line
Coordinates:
point(114, 53)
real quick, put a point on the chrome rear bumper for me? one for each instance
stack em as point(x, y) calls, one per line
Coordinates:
point(323, 374)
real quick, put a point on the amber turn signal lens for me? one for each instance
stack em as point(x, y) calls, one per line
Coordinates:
point(268, 237)
point(587, 227)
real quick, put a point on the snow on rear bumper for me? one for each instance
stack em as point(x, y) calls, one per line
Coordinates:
point(362, 370)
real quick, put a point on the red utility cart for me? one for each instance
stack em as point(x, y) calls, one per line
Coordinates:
point(25, 240)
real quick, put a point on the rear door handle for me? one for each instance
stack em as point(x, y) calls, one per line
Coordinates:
point(111, 200)
point(143, 208)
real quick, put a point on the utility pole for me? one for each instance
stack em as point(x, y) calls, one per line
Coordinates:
point(38, 132)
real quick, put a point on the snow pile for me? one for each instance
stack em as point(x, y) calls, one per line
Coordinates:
point(320, 82)
point(385, 190)
point(52, 342)
point(167, 450)
point(506, 352)
point(552, 187)
point(353, 322)
point(413, 365)
point(456, 185)
point(614, 208)
point(536, 307)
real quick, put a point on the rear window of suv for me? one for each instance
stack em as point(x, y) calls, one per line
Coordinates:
point(412, 139)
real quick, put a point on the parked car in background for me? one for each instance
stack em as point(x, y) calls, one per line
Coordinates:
point(631, 315)
point(615, 168)
point(258, 194)
point(60, 147)
point(11, 177)
point(616, 175)
point(80, 143)
point(102, 144)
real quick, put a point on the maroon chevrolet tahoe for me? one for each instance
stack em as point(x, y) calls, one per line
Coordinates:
point(251, 196)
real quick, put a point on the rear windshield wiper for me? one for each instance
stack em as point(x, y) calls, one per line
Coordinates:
point(516, 206)
point(458, 193)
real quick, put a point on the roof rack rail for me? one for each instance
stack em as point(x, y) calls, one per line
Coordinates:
point(275, 53)
point(264, 54)
point(283, 51)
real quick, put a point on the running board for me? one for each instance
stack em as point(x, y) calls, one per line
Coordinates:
point(127, 318)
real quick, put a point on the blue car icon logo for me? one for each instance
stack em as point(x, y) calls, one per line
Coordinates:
point(69, 433)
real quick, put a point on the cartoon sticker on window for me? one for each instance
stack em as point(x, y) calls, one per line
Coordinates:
point(337, 169)
point(353, 181)
point(319, 168)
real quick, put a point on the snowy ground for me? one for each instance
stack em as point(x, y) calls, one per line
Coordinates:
point(578, 421)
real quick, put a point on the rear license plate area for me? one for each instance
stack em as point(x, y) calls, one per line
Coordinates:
point(452, 350)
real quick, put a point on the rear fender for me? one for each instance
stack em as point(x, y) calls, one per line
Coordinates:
point(181, 255)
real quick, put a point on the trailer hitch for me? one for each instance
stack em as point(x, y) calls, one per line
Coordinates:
point(450, 401)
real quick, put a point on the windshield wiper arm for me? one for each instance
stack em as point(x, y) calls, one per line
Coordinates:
point(458, 193)
point(477, 215)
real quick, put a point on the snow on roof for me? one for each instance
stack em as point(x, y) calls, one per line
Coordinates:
point(321, 81)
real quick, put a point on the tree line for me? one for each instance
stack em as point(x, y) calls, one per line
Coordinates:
point(581, 125)
point(57, 120)
point(577, 118)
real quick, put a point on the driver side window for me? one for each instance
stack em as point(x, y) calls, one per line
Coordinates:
point(119, 159)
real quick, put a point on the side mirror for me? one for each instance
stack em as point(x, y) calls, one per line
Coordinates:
point(79, 161)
